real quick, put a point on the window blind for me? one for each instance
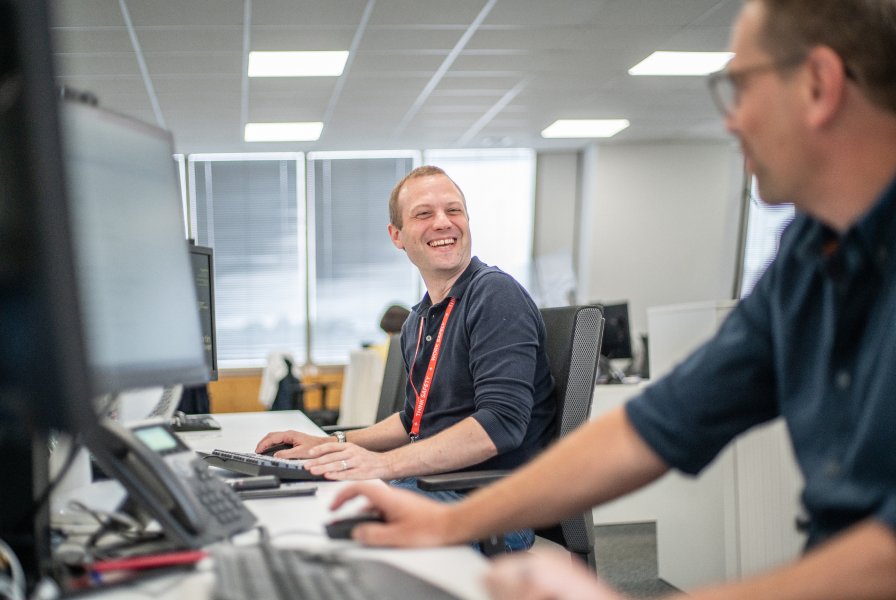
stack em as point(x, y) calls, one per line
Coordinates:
point(358, 273)
point(250, 209)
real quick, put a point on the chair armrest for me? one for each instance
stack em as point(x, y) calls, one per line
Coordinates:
point(460, 481)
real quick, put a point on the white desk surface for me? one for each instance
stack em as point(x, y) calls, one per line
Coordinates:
point(298, 522)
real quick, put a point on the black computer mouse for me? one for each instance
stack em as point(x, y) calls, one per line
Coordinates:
point(341, 529)
point(277, 448)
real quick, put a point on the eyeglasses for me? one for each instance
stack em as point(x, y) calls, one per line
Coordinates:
point(725, 85)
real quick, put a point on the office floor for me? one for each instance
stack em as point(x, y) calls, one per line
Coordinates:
point(626, 558)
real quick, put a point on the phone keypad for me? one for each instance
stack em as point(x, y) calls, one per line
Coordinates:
point(224, 504)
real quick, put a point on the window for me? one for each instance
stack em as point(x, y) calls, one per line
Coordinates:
point(288, 253)
point(765, 224)
point(357, 272)
point(250, 209)
point(500, 189)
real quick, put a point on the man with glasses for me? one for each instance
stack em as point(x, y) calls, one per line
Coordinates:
point(811, 96)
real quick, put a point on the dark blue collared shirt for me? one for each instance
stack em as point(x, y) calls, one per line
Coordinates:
point(816, 343)
point(492, 365)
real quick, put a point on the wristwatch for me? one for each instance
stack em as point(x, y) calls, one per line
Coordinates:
point(340, 436)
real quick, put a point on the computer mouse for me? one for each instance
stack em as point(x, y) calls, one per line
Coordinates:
point(277, 448)
point(341, 529)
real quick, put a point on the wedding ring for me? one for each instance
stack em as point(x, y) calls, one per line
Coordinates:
point(344, 465)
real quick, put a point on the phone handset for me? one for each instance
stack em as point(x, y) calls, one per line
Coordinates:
point(166, 480)
point(162, 484)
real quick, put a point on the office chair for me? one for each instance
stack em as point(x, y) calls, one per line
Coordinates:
point(573, 342)
point(395, 381)
point(392, 390)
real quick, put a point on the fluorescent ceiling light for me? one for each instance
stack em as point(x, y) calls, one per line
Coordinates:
point(297, 64)
point(681, 63)
point(283, 132)
point(584, 128)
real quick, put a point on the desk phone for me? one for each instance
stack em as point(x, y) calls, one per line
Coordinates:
point(168, 482)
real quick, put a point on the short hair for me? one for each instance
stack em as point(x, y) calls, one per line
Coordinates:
point(424, 171)
point(861, 32)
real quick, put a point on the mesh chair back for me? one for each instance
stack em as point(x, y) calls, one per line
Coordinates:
point(395, 378)
point(574, 335)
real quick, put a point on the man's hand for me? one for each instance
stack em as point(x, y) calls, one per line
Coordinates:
point(410, 519)
point(348, 461)
point(545, 575)
point(302, 443)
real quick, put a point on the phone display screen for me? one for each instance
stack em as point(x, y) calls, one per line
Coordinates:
point(158, 439)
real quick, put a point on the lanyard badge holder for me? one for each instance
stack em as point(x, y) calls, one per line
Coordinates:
point(423, 394)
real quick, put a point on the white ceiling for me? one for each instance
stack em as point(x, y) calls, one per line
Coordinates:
point(422, 74)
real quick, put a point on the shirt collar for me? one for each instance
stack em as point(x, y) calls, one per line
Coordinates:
point(872, 237)
point(459, 287)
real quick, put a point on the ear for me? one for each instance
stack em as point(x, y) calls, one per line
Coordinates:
point(394, 233)
point(827, 85)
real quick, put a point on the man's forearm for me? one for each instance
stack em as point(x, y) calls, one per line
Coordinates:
point(600, 461)
point(380, 437)
point(461, 445)
point(859, 564)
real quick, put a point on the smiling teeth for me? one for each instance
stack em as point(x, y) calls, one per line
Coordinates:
point(436, 243)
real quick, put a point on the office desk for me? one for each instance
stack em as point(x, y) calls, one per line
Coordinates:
point(298, 522)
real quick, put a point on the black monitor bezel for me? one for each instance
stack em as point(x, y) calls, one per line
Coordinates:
point(210, 254)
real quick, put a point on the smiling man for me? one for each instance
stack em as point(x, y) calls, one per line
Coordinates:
point(479, 390)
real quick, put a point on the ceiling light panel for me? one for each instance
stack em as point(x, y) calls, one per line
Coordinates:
point(681, 63)
point(584, 128)
point(283, 132)
point(297, 64)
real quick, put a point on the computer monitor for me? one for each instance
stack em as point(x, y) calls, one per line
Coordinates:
point(203, 263)
point(44, 382)
point(617, 342)
point(134, 273)
point(96, 292)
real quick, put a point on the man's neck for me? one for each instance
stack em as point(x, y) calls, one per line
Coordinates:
point(438, 287)
point(849, 185)
point(844, 203)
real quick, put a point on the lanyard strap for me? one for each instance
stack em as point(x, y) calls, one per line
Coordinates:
point(430, 372)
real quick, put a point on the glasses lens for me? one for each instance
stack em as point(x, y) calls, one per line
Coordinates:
point(723, 92)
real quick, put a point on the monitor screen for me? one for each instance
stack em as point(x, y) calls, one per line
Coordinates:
point(617, 342)
point(204, 280)
point(133, 269)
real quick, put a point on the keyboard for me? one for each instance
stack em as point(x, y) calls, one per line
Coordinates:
point(250, 463)
point(265, 571)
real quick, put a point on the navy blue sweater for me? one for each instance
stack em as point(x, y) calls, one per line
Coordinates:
point(492, 365)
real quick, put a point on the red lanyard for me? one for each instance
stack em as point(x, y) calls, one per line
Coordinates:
point(423, 394)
